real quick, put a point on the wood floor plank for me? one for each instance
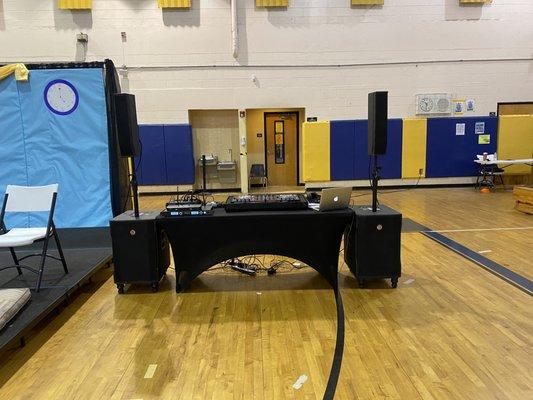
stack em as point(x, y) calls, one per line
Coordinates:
point(451, 330)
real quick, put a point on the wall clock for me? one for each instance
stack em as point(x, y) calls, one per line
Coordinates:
point(61, 97)
point(426, 104)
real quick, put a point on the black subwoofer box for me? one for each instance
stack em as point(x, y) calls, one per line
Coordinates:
point(141, 252)
point(372, 244)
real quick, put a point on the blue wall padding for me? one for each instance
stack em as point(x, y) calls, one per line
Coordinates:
point(391, 162)
point(71, 150)
point(342, 150)
point(451, 155)
point(179, 154)
point(152, 164)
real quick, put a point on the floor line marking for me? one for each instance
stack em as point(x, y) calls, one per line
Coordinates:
point(483, 229)
point(150, 371)
point(505, 274)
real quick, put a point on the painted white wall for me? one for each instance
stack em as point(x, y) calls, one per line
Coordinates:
point(308, 32)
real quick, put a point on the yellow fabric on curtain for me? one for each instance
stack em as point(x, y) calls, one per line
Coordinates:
point(174, 3)
point(20, 70)
point(75, 4)
point(272, 3)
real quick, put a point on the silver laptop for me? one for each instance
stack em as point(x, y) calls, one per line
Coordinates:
point(334, 199)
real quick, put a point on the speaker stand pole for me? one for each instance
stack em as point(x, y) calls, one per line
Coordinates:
point(204, 179)
point(375, 180)
point(135, 189)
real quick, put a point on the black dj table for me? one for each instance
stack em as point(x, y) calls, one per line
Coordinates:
point(199, 242)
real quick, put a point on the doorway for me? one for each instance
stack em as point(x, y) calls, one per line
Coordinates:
point(281, 147)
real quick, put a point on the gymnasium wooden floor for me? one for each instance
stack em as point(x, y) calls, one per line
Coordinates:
point(451, 330)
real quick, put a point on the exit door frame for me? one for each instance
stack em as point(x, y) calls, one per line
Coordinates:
point(297, 114)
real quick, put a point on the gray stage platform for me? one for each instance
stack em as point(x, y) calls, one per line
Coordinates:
point(86, 251)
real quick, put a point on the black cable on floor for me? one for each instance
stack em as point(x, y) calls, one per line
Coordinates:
point(335, 371)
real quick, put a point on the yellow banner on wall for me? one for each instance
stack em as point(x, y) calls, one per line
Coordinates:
point(474, 1)
point(174, 3)
point(75, 4)
point(367, 2)
point(272, 3)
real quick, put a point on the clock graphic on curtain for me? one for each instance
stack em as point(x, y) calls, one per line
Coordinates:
point(61, 97)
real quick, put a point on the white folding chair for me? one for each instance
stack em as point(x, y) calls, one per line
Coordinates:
point(30, 199)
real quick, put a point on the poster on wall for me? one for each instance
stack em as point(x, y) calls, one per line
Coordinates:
point(483, 139)
point(480, 128)
point(460, 129)
point(458, 107)
point(470, 105)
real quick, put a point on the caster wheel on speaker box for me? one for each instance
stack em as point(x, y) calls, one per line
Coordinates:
point(361, 283)
point(120, 287)
point(155, 287)
point(394, 283)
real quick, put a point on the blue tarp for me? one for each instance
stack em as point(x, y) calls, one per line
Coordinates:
point(39, 147)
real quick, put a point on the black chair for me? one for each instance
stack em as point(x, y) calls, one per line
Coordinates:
point(257, 171)
point(488, 174)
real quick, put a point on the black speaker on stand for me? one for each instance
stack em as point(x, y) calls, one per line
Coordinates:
point(128, 137)
point(372, 241)
point(141, 252)
point(377, 136)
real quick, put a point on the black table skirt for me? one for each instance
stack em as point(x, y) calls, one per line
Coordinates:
point(306, 235)
point(200, 242)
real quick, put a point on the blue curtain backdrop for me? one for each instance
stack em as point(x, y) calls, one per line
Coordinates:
point(39, 147)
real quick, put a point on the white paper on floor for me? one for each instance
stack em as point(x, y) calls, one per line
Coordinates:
point(408, 281)
point(300, 381)
point(150, 371)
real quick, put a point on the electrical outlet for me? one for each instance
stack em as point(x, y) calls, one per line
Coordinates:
point(420, 171)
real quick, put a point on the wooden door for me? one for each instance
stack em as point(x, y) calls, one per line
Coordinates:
point(281, 148)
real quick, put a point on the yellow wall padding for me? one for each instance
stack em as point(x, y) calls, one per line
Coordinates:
point(272, 3)
point(75, 4)
point(174, 3)
point(515, 140)
point(20, 70)
point(367, 2)
point(414, 148)
point(316, 151)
